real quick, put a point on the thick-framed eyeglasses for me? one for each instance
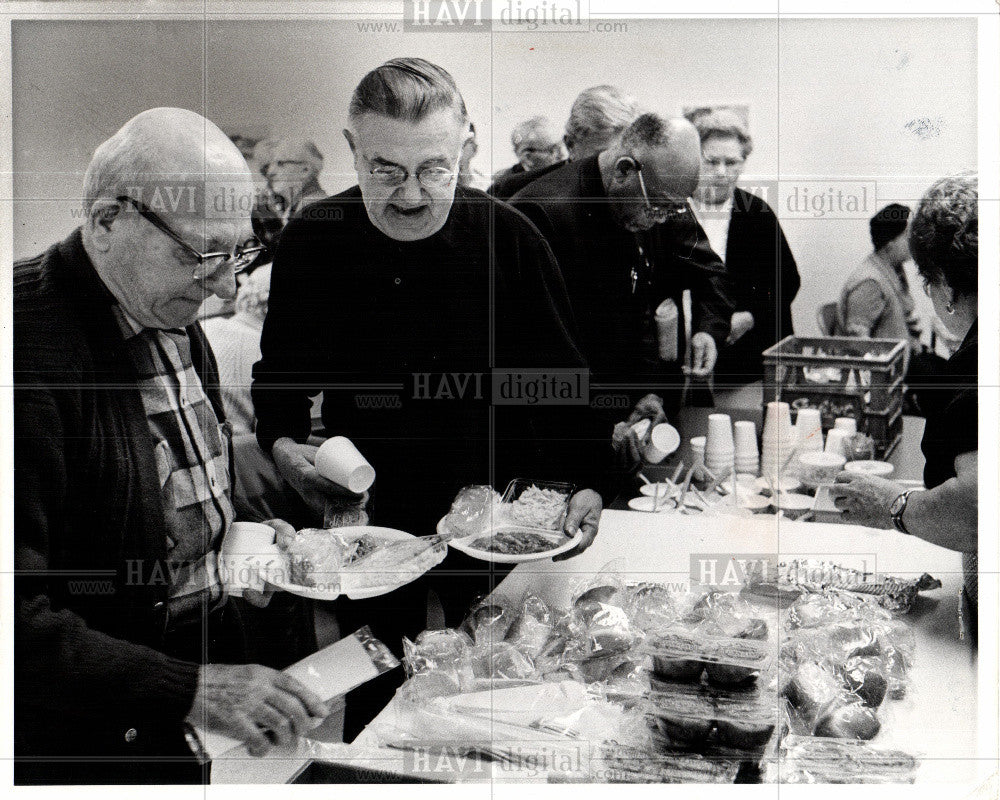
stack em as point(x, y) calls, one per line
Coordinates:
point(208, 263)
point(661, 210)
point(392, 175)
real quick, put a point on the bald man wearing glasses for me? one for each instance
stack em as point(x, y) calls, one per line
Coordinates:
point(125, 637)
point(626, 241)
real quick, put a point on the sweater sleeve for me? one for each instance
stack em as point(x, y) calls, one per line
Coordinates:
point(60, 662)
point(865, 305)
point(285, 377)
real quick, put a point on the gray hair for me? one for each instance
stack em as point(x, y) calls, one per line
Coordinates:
point(602, 111)
point(722, 122)
point(944, 234)
point(407, 89)
point(539, 127)
point(155, 146)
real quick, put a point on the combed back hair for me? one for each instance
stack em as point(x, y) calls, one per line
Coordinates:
point(888, 224)
point(944, 234)
point(601, 111)
point(406, 89)
point(648, 130)
point(722, 122)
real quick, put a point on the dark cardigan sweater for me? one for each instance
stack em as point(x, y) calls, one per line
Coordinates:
point(90, 680)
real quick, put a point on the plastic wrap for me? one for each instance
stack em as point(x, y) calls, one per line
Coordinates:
point(487, 621)
point(810, 760)
point(532, 628)
point(472, 511)
point(727, 661)
point(445, 651)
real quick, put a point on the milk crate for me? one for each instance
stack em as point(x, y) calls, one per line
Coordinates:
point(842, 377)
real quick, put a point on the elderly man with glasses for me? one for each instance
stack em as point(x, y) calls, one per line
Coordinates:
point(409, 301)
point(627, 243)
point(125, 638)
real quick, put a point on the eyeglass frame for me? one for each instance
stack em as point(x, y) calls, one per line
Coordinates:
point(229, 259)
point(679, 210)
point(452, 174)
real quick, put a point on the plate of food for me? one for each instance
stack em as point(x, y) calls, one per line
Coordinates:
point(360, 562)
point(523, 524)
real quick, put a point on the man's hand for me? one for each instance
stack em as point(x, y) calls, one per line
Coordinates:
point(740, 324)
point(584, 514)
point(261, 598)
point(703, 354)
point(297, 465)
point(625, 442)
point(865, 499)
point(243, 701)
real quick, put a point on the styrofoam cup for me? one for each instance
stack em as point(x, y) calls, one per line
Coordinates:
point(338, 460)
point(663, 440)
point(745, 439)
point(847, 424)
point(698, 450)
point(836, 440)
point(809, 427)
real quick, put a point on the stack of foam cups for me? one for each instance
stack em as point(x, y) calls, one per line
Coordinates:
point(778, 441)
point(747, 454)
point(809, 430)
point(719, 445)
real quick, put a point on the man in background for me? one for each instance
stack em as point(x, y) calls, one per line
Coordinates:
point(536, 144)
point(598, 117)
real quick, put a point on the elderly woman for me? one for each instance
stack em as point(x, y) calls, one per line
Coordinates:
point(944, 241)
point(745, 233)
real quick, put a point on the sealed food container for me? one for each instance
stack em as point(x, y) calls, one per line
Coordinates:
point(726, 661)
point(536, 505)
point(692, 716)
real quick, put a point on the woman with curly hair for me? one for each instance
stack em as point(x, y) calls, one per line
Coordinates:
point(944, 241)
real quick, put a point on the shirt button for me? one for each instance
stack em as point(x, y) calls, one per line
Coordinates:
point(130, 735)
point(398, 281)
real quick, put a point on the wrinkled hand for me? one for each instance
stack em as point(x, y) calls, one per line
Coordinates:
point(243, 701)
point(297, 465)
point(739, 325)
point(585, 514)
point(649, 407)
point(703, 354)
point(625, 442)
point(263, 597)
point(865, 499)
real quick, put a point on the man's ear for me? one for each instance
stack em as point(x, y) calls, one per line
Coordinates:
point(102, 215)
point(350, 141)
point(624, 165)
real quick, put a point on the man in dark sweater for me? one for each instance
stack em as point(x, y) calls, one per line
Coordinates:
point(124, 638)
point(626, 241)
point(411, 304)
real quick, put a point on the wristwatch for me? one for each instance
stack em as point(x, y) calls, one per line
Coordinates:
point(897, 509)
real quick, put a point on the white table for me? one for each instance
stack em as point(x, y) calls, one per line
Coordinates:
point(937, 719)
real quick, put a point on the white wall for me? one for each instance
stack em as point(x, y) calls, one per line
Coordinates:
point(829, 100)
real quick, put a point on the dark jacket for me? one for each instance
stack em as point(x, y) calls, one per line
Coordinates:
point(597, 255)
point(508, 184)
point(90, 678)
point(765, 281)
point(402, 338)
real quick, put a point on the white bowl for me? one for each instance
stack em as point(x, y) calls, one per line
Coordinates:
point(667, 489)
point(794, 505)
point(882, 469)
point(819, 467)
point(646, 504)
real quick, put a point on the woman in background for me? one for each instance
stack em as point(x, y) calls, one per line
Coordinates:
point(745, 233)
